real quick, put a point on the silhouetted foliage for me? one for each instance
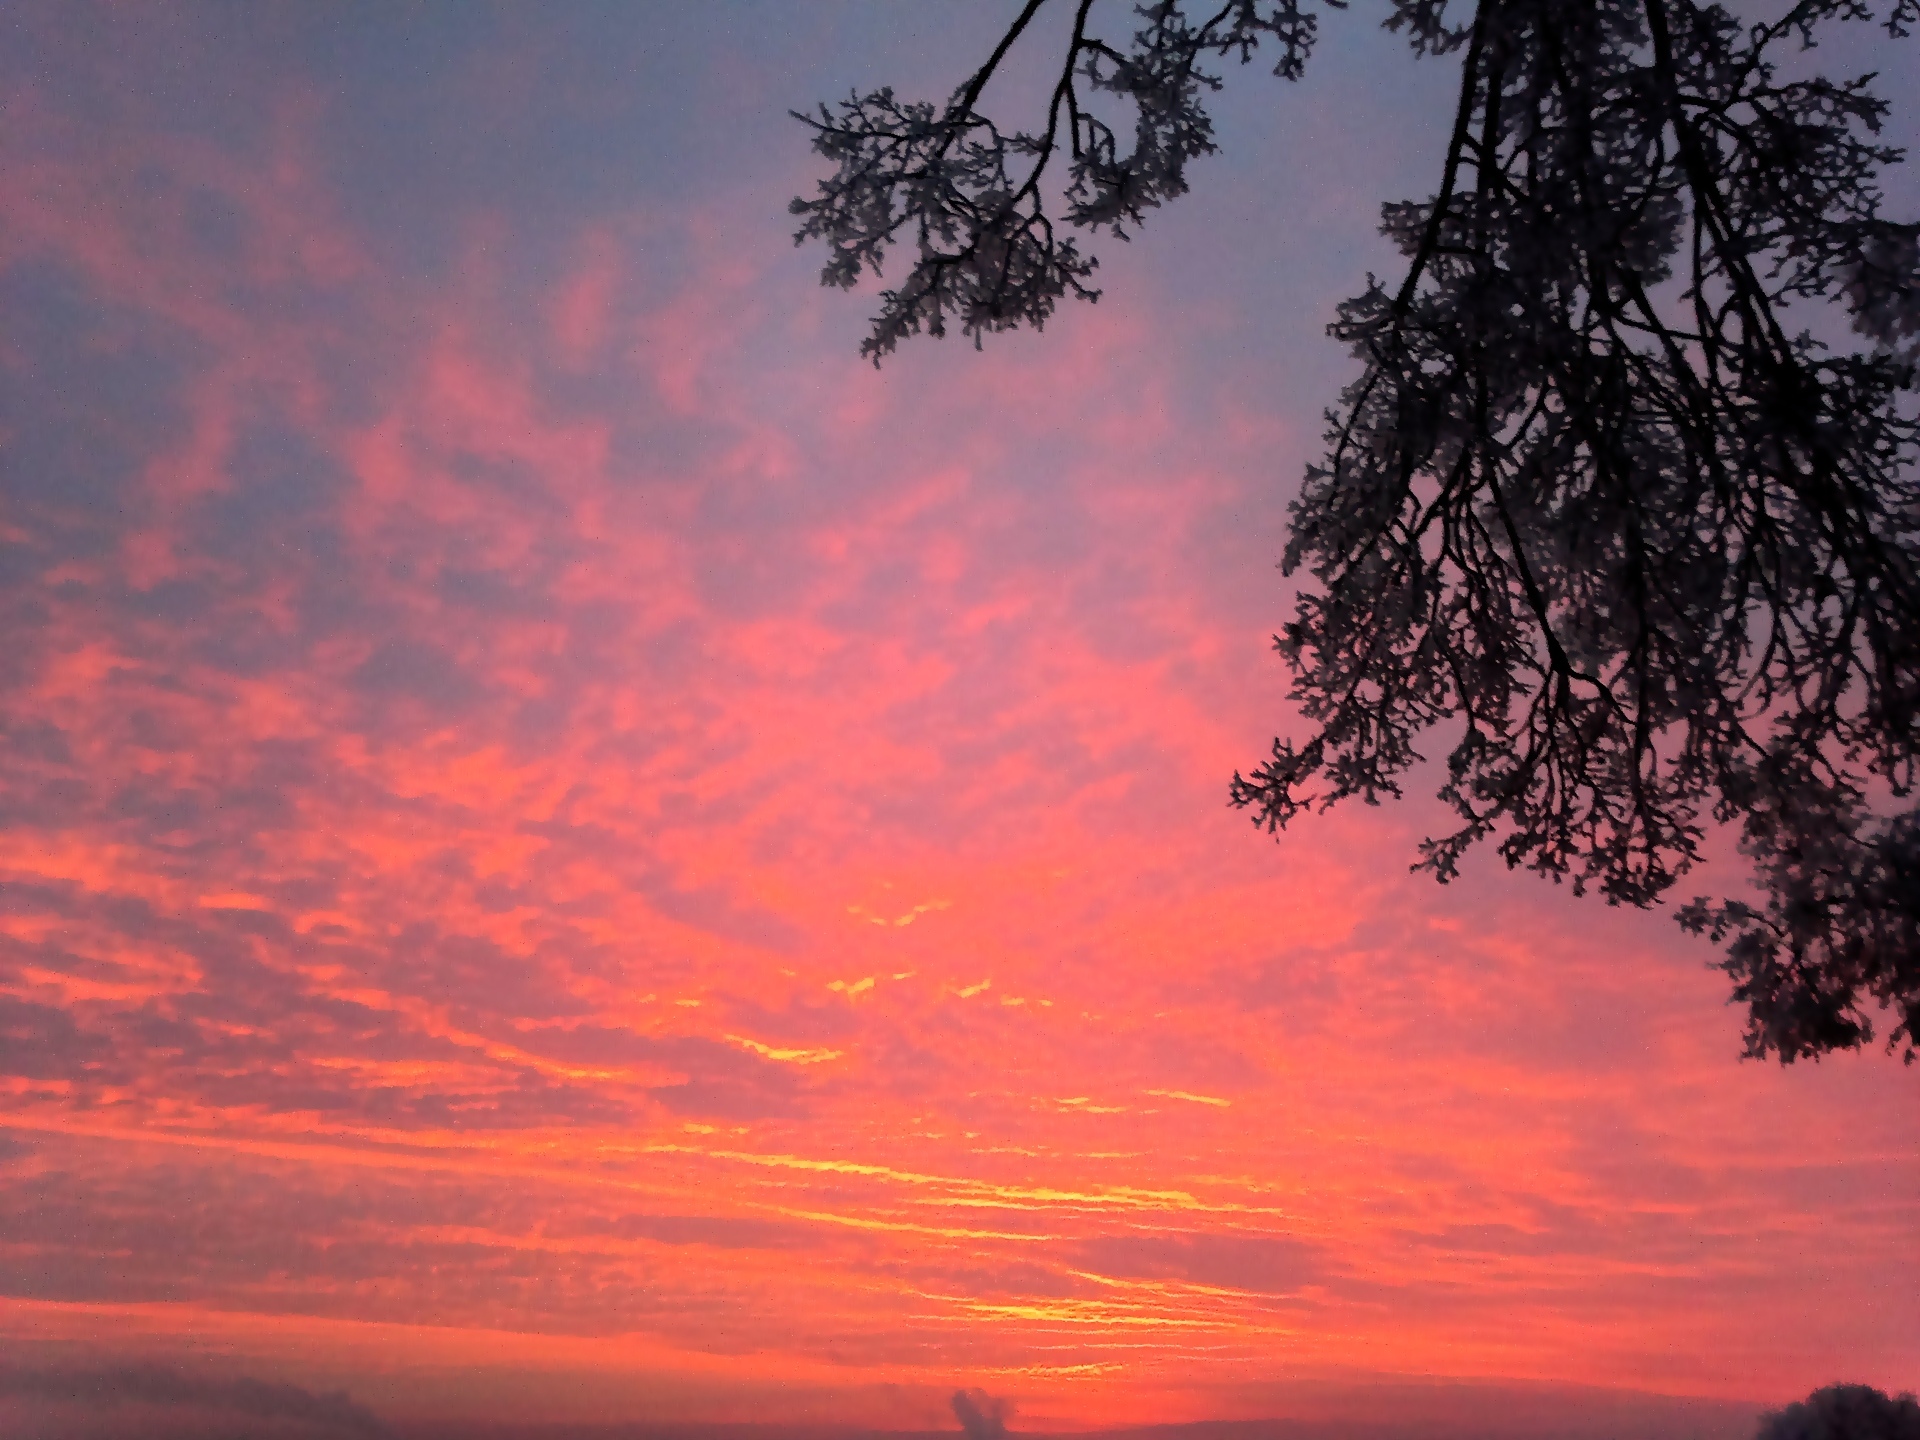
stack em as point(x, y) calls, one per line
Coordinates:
point(1845, 1412)
point(1653, 554)
point(981, 1416)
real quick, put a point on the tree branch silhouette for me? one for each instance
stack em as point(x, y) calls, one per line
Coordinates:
point(1590, 500)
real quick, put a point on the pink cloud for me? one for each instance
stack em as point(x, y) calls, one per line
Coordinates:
point(638, 847)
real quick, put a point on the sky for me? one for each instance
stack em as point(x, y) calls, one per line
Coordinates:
point(574, 852)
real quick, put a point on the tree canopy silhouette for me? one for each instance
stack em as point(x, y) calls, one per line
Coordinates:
point(1651, 554)
point(1844, 1412)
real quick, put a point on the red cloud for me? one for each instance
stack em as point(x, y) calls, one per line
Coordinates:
point(624, 844)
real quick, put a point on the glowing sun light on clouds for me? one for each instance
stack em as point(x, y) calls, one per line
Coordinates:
point(563, 830)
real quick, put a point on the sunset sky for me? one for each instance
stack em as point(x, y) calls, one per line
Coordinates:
point(572, 851)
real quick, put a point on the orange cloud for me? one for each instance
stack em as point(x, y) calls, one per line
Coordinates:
point(633, 857)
